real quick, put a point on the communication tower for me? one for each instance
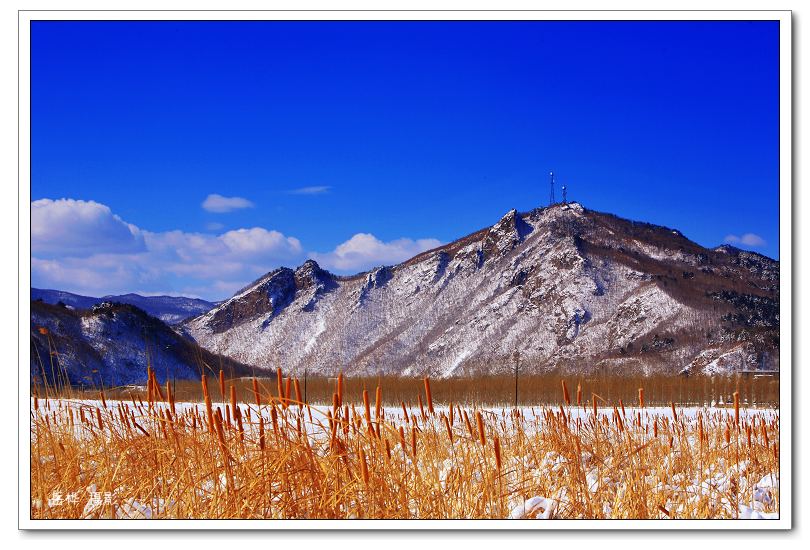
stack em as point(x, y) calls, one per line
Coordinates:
point(551, 198)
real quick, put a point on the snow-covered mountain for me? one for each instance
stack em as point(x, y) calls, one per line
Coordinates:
point(169, 309)
point(110, 345)
point(563, 286)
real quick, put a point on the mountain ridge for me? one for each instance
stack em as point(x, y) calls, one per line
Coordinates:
point(565, 286)
point(111, 344)
point(169, 309)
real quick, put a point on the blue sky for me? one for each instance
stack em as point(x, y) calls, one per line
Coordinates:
point(196, 156)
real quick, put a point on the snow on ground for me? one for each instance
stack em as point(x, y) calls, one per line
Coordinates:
point(717, 479)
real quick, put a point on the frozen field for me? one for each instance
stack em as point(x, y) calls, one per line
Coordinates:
point(536, 462)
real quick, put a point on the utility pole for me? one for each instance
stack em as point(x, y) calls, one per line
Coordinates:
point(517, 371)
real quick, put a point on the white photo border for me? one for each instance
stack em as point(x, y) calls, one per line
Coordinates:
point(25, 17)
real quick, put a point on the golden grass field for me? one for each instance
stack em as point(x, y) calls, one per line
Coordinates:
point(266, 452)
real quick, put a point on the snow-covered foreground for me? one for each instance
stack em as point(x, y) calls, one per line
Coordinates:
point(546, 463)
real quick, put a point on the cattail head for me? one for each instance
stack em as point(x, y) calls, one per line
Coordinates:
point(287, 394)
point(469, 425)
point(367, 407)
point(273, 418)
point(479, 420)
point(674, 412)
point(339, 388)
point(298, 398)
point(238, 415)
point(429, 395)
point(641, 397)
point(219, 430)
point(579, 394)
point(256, 394)
point(222, 383)
point(363, 466)
point(737, 408)
point(378, 403)
point(566, 396)
point(449, 429)
point(209, 412)
point(261, 431)
point(280, 385)
point(497, 443)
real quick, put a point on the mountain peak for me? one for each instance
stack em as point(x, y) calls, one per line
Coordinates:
point(310, 273)
point(308, 265)
point(505, 235)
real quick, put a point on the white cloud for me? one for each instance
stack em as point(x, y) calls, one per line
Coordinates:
point(68, 257)
point(80, 228)
point(220, 205)
point(312, 190)
point(82, 247)
point(258, 241)
point(747, 239)
point(94, 275)
point(364, 251)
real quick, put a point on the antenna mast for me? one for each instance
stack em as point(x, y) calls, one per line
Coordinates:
point(565, 198)
point(551, 199)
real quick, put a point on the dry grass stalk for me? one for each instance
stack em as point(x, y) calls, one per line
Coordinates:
point(326, 468)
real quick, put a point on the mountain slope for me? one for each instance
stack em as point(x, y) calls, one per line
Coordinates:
point(110, 345)
point(169, 309)
point(564, 286)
